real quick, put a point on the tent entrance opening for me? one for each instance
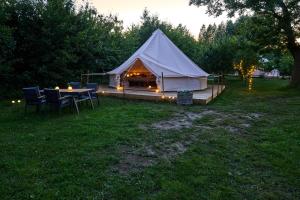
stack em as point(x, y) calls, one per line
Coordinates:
point(138, 76)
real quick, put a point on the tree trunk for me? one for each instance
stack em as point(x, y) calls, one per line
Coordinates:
point(296, 71)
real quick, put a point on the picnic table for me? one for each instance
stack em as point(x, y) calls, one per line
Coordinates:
point(78, 95)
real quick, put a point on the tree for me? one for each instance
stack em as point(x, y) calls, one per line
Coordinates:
point(218, 56)
point(284, 15)
point(50, 42)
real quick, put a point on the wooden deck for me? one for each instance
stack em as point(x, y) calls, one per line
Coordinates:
point(199, 97)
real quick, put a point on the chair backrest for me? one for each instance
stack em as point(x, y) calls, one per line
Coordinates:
point(31, 94)
point(93, 86)
point(52, 96)
point(75, 85)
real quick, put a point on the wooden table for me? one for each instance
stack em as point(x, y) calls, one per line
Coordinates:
point(78, 93)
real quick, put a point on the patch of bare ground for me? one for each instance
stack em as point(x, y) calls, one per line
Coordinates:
point(148, 153)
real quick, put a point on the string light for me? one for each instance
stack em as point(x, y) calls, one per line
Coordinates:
point(248, 74)
point(19, 101)
point(57, 88)
point(13, 102)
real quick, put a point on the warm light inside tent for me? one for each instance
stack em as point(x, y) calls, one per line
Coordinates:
point(120, 88)
point(157, 90)
point(149, 86)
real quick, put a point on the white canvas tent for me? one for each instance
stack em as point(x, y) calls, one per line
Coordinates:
point(258, 73)
point(273, 74)
point(161, 63)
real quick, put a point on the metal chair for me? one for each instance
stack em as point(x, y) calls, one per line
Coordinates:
point(54, 98)
point(93, 93)
point(33, 98)
point(75, 85)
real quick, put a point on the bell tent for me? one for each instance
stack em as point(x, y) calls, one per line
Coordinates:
point(273, 74)
point(160, 64)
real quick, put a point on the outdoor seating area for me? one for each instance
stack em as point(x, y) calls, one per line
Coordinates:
point(57, 99)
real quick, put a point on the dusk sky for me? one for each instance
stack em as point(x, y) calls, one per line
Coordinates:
point(173, 11)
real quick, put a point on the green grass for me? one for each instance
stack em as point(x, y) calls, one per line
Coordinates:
point(51, 156)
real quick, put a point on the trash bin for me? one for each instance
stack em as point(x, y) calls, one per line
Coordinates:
point(185, 97)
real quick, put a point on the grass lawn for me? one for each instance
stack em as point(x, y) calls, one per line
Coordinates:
point(242, 146)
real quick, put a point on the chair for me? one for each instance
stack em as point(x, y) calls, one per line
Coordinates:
point(75, 85)
point(93, 93)
point(54, 98)
point(33, 97)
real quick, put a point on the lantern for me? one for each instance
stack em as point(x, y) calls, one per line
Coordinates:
point(120, 88)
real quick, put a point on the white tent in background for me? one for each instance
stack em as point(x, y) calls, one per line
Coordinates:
point(273, 74)
point(258, 73)
point(159, 63)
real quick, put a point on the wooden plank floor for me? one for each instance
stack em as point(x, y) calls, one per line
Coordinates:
point(199, 97)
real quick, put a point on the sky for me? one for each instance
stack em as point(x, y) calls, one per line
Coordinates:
point(173, 11)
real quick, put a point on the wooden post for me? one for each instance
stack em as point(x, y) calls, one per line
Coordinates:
point(163, 83)
point(123, 88)
point(218, 85)
point(122, 84)
point(212, 88)
point(87, 77)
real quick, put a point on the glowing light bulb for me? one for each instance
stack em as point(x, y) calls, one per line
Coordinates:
point(19, 101)
point(57, 88)
point(13, 102)
point(70, 88)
